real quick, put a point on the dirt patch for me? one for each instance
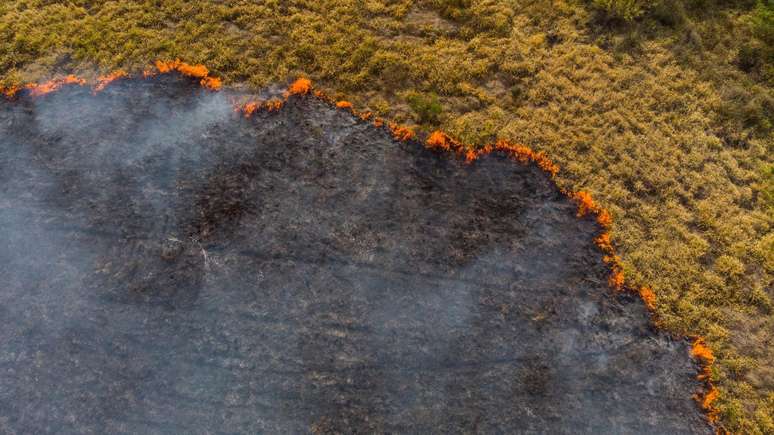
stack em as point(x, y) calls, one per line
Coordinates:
point(171, 266)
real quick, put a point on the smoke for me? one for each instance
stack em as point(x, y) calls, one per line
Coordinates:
point(174, 267)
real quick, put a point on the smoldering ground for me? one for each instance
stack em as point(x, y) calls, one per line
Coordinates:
point(168, 266)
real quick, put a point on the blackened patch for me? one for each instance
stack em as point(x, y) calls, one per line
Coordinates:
point(168, 266)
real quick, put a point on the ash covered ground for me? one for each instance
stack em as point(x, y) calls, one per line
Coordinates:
point(170, 267)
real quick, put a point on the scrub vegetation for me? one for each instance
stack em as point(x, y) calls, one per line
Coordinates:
point(662, 109)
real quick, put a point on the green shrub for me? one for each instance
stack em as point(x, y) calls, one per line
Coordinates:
point(749, 58)
point(426, 107)
point(669, 12)
point(626, 10)
point(763, 22)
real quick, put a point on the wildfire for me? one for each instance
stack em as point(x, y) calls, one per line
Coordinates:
point(166, 66)
point(273, 105)
point(300, 87)
point(519, 152)
point(525, 155)
point(103, 81)
point(437, 140)
point(249, 108)
point(197, 71)
point(211, 83)
point(585, 202)
point(648, 297)
point(400, 132)
point(604, 243)
point(604, 219)
point(708, 404)
point(702, 353)
point(441, 141)
point(616, 279)
point(10, 91)
point(37, 90)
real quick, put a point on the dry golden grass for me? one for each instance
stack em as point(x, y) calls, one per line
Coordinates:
point(655, 121)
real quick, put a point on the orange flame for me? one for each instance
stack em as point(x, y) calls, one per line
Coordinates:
point(604, 243)
point(273, 105)
point(439, 140)
point(525, 155)
point(701, 352)
point(53, 85)
point(616, 279)
point(344, 105)
point(249, 108)
point(400, 132)
point(211, 83)
point(10, 91)
point(648, 297)
point(708, 404)
point(103, 81)
point(300, 87)
point(167, 66)
point(585, 202)
point(604, 219)
point(196, 71)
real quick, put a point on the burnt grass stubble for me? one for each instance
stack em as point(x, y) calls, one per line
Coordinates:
point(170, 266)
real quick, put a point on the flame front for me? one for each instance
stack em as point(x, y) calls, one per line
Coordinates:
point(401, 132)
point(706, 399)
point(37, 90)
point(103, 81)
point(300, 87)
point(197, 71)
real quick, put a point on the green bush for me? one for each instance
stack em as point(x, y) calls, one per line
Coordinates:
point(626, 10)
point(669, 12)
point(749, 58)
point(763, 28)
point(426, 107)
point(763, 22)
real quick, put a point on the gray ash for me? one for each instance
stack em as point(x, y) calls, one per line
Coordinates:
point(171, 267)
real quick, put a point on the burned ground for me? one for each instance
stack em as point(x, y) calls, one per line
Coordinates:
point(170, 266)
